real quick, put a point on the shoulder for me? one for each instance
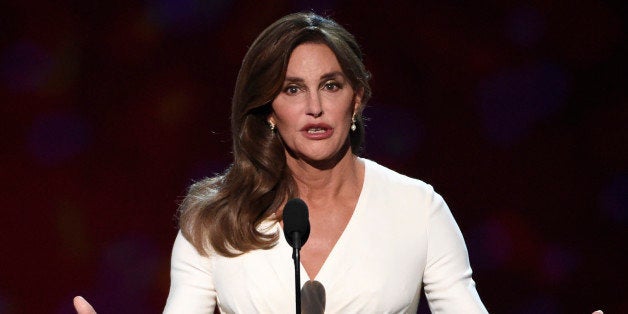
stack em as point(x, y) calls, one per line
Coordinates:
point(201, 195)
point(381, 177)
point(184, 254)
point(398, 195)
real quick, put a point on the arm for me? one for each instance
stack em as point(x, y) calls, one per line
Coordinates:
point(449, 287)
point(191, 285)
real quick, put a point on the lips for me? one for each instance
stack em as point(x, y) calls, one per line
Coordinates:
point(317, 131)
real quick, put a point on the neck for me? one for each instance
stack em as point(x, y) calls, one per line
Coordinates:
point(323, 181)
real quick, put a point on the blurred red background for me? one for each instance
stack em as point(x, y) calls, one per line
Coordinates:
point(515, 111)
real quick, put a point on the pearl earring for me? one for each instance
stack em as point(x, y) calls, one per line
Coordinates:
point(272, 126)
point(353, 127)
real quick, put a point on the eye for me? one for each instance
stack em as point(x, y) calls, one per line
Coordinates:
point(332, 86)
point(291, 89)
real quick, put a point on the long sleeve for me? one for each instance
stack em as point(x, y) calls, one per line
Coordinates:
point(447, 280)
point(191, 283)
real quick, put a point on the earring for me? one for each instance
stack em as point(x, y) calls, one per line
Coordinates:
point(353, 127)
point(272, 126)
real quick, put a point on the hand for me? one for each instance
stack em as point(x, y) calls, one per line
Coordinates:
point(598, 312)
point(83, 307)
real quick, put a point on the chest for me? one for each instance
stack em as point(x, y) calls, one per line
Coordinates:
point(326, 228)
point(375, 264)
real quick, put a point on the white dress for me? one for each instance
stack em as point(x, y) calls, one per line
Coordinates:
point(401, 237)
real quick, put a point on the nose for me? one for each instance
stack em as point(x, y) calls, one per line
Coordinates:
point(314, 105)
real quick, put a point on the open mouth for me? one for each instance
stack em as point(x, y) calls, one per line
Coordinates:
point(316, 130)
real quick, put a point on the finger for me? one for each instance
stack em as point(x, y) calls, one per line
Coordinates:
point(598, 312)
point(82, 306)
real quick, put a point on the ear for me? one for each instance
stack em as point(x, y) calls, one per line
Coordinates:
point(357, 100)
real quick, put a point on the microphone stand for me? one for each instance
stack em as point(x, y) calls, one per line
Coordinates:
point(296, 249)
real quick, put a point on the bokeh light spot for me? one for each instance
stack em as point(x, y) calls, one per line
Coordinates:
point(25, 66)
point(559, 263)
point(492, 244)
point(173, 109)
point(54, 138)
point(185, 16)
point(71, 227)
point(539, 304)
point(392, 133)
point(127, 272)
point(513, 101)
point(5, 305)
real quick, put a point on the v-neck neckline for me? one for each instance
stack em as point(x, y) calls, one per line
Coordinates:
point(339, 246)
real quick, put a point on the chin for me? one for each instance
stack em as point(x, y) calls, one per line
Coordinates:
point(316, 156)
point(327, 157)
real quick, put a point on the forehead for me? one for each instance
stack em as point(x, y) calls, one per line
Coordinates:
point(312, 59)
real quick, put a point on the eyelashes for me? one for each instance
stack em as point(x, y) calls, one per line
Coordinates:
point(330, 86)
point(291, 89)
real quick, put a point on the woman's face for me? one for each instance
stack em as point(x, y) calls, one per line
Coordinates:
point(313, 111)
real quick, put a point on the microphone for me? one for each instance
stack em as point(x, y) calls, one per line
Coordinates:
point(296, 223)
point(296, 229)
point(313, 294)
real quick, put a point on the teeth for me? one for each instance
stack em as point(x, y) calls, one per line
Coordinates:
point(316, 130)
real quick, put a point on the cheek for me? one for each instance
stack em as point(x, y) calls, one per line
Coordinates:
point(286, 123)
point(284, 111)
point(285, 118)
point(345, 112)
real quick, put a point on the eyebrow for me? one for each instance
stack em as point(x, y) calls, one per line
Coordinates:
point(326, 76)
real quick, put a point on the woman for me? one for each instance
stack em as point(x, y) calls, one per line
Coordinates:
point(377, 237)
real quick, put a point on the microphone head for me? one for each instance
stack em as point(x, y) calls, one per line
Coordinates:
point(313, 297)
point(296, 219)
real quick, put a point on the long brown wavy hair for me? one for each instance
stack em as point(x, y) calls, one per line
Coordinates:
point(225, 212)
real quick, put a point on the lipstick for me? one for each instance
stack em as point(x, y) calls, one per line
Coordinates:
point(317, 131)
